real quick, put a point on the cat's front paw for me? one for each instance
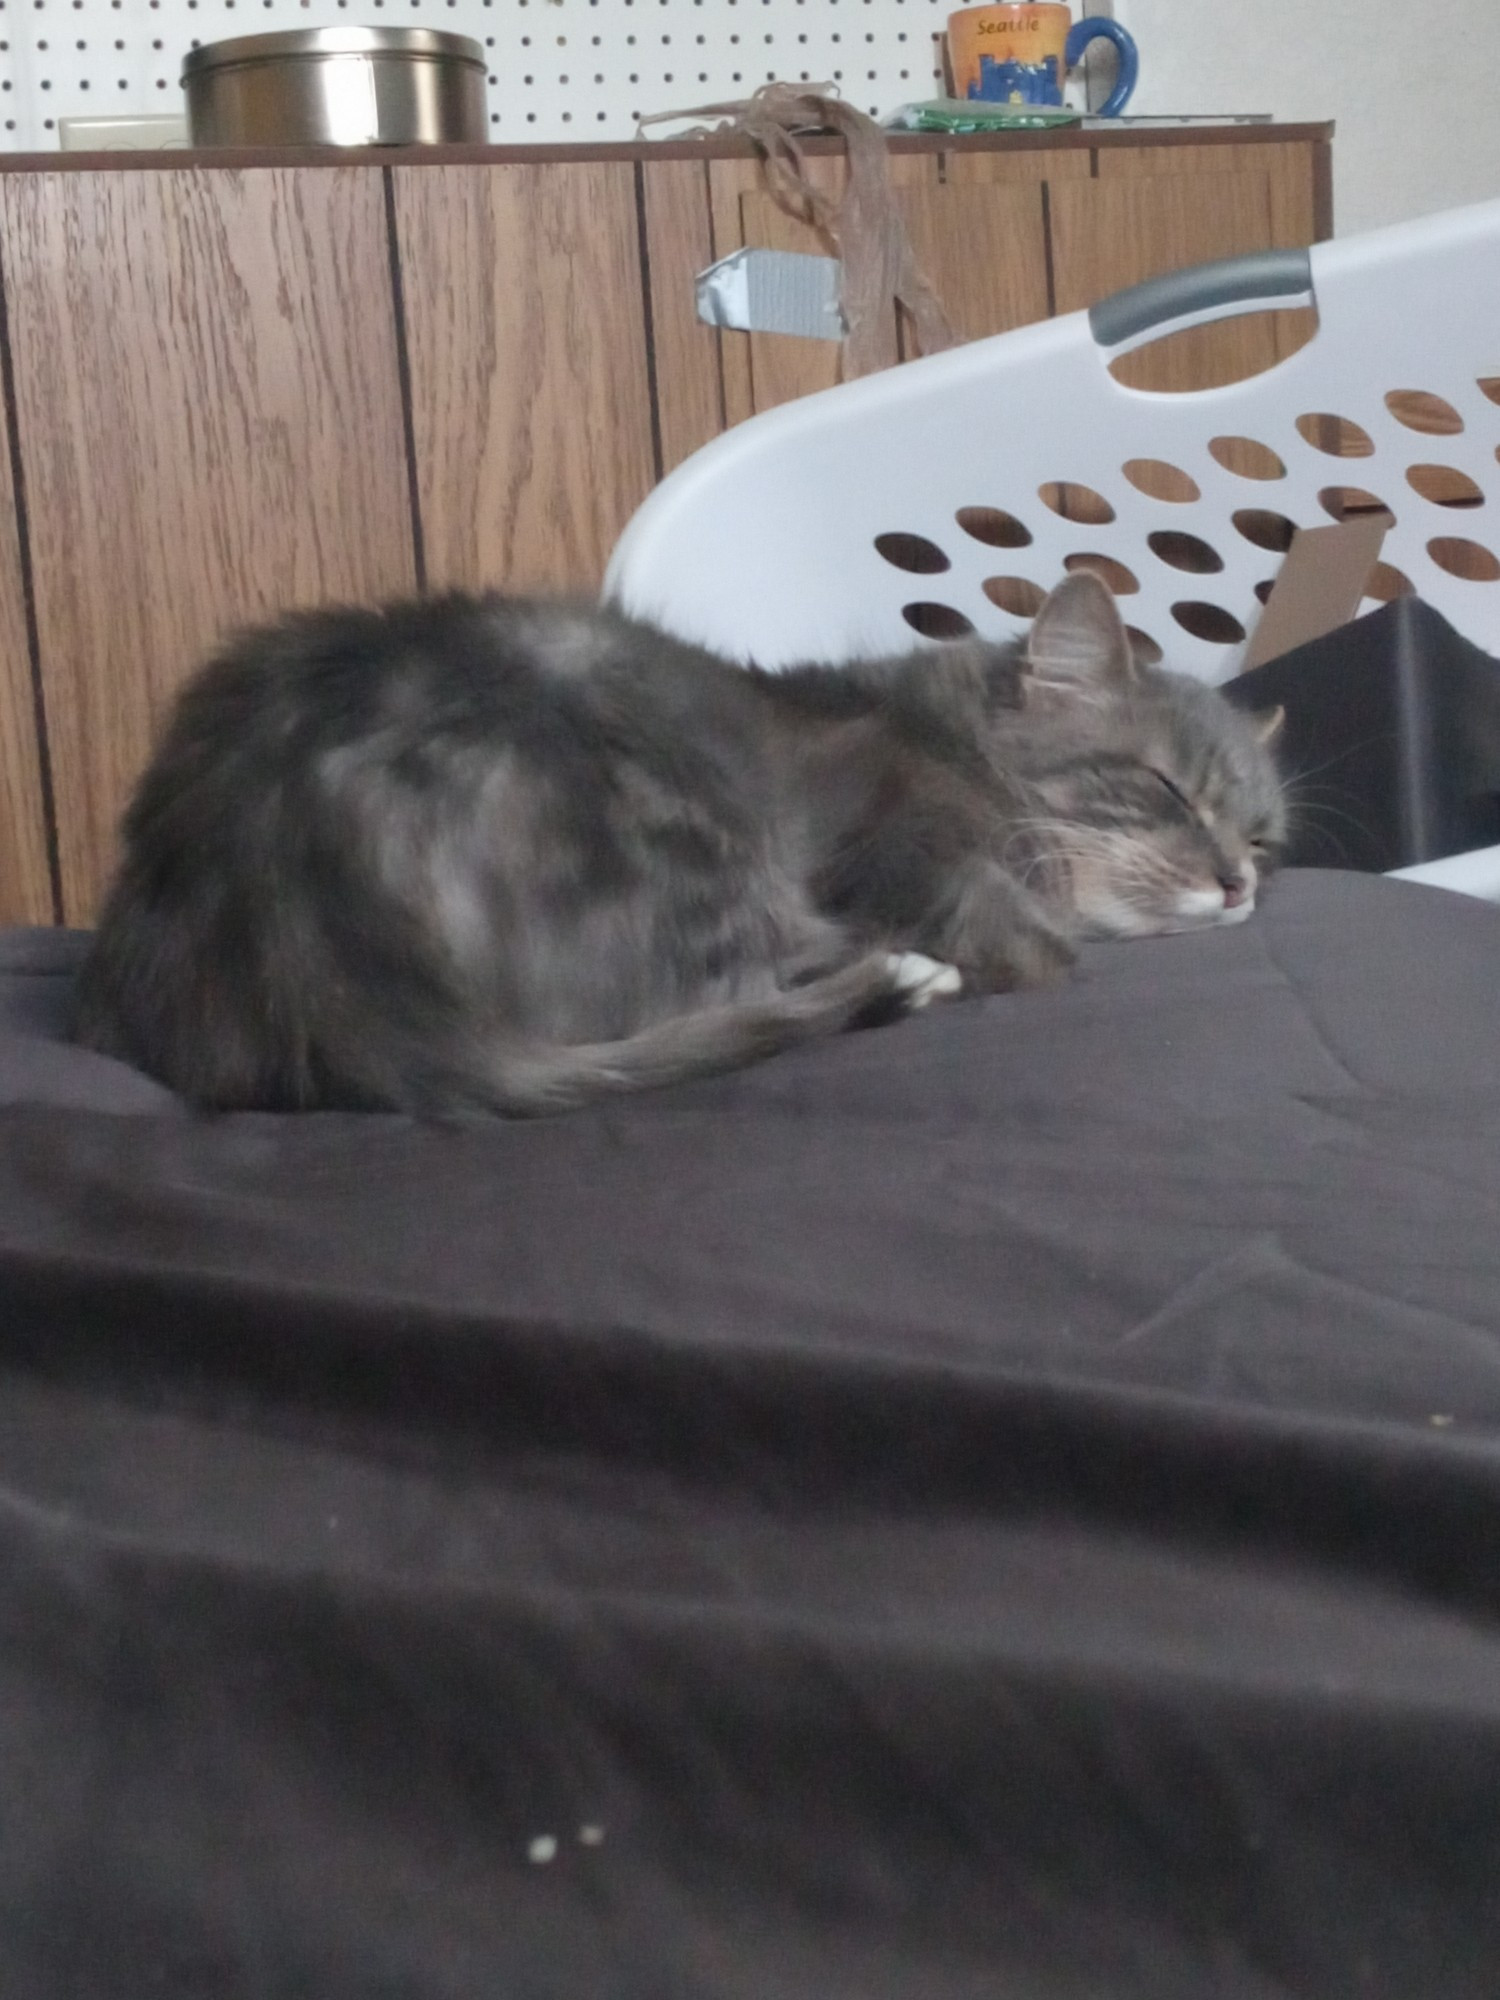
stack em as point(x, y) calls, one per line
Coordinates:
point(1037, 955)
point(921, 979)
point(1024, 954)
point(999, 935)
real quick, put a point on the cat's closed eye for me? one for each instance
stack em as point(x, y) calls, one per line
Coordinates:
point(1176, 791)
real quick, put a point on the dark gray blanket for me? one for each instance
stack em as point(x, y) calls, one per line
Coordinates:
point(1006, 1505)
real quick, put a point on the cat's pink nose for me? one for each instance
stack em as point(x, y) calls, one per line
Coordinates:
point(1234, 891)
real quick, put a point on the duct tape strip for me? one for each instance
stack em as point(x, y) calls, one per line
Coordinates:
point(773, 291)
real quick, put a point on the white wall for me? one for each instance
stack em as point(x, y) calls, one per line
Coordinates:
point(1413, 84)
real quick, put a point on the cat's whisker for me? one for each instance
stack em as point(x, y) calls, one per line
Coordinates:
point(1307, 806)
point(1344, 752)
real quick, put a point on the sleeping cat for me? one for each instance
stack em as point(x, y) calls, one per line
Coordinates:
point(498, 855)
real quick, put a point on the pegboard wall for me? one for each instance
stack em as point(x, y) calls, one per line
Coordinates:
point(558, 69)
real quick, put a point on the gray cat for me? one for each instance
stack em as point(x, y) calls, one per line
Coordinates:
point(498, 855)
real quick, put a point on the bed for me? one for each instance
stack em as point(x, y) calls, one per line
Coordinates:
point(1002, 1505)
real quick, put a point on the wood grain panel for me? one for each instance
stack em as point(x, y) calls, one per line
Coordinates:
point(25, 876)
point(729, 182)
point(680, 244)
point(1187, 161)
point(1292, 177)
point(1114, 232)
point(531, 409)
point(785, 365)
point(990, 264)
point(764, 369)
point(210, 430)
point(984, 253)
point(1035, 164)
point(984, 248)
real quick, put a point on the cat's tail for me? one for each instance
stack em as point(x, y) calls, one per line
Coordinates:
point(527, 1079)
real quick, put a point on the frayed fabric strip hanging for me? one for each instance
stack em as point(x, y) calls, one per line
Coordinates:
point(878, 268)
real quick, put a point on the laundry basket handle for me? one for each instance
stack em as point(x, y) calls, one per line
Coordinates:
point(1263, 279)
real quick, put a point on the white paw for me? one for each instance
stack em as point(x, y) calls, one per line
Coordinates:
point(923, 978)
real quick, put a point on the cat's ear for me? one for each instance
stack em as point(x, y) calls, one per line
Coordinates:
point(1269, 724)
point(1078, 644)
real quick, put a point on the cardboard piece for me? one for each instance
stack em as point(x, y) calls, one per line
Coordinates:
point(1322, 579)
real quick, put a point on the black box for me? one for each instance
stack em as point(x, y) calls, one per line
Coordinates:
point(1391, 745)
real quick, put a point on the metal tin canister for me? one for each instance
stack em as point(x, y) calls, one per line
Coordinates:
point(337, 87)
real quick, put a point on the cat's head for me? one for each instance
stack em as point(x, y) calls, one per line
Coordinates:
point(1158, 804)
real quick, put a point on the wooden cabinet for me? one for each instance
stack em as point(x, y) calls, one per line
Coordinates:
point(235, 383)
point(207, 432)
point(26, 821)
point(531, 420)
point(1011, 232)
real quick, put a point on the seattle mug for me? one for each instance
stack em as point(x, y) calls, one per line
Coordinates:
point(1020, 53)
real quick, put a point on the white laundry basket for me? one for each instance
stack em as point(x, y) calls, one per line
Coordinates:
point(927, 499)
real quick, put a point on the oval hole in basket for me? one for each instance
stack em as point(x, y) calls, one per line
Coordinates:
point(1121, 581)
point(1266, 530)
point(1387, 582)
point(1347, 503)
point(1263, 590)
point(1160, 481)
point(936, 621)
point(1184, 551)
point(1489, 385)
point(1470, 560)
point(1143, 646)
point(994, 527)
point(1076, 503)
point(1444, 485)
point(1208, 621)
point(1246, 456)
point(1421, 411)
point(1198, 357)
point(1016, 594)
point(1340, 437)
point(912, 552)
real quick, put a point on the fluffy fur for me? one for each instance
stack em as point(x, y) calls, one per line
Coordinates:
point(498, 855)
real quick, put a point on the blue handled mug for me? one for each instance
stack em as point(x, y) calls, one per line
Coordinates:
point(1021, 53)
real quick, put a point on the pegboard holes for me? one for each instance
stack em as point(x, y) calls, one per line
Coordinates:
point(912, 552)
point(994, 527)
point(1113, 575)
point(1489, 385)
point(936, 621)
point(1344, 503)
point(1263, 590)
point(1076, 503)
point(1470, 561)
point(1339, 437)
point(540, 78)
point(1247, 457)
point(1387, 582)
point(1265, 529)
point(1016, 594)
point(1420, 410)
point(1444, 486)
point(1209, 622)
point(1160, 481)
point(1183, 551)
point(1143, 646)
